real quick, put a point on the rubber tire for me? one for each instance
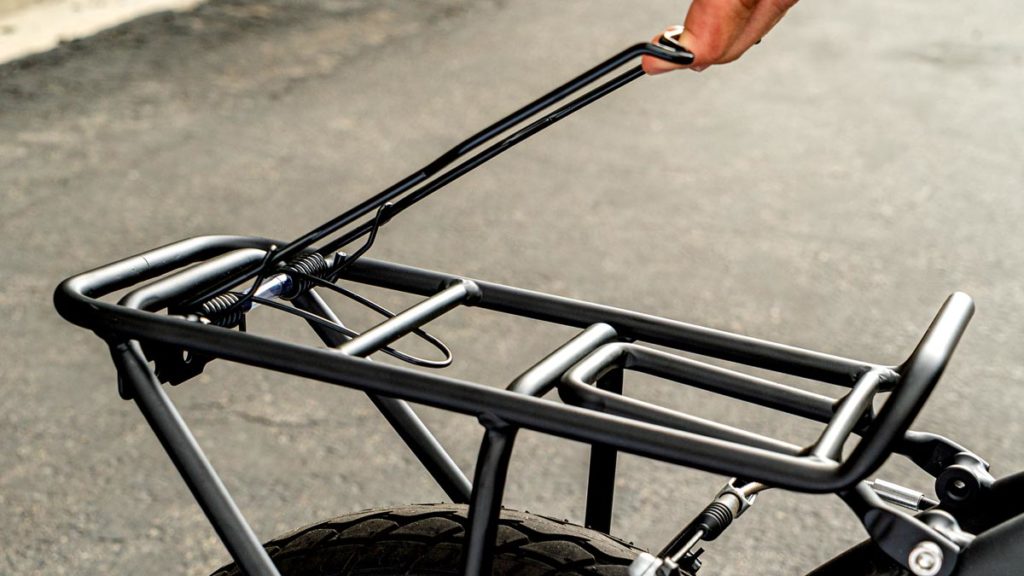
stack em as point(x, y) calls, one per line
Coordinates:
point(427, 539)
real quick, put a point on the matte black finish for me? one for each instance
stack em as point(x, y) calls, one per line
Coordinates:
point(401, 324)
point(406, 187)
point(499, 437)
point(400, 416)
point(693, 442)
point(996, 551)
point(629, 324)
point(190, 461)
point(601, 474)
point(589, 367)
point(917, 376)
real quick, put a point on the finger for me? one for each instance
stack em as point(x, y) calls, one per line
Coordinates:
point(765, 16)
point(712, 27)
point(652, 65)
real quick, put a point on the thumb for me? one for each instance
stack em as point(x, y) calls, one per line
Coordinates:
point(653, 65)
point(710, 28)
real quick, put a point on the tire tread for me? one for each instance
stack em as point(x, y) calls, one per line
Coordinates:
point(428, 539)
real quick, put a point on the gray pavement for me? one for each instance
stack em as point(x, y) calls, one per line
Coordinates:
point(827, 191)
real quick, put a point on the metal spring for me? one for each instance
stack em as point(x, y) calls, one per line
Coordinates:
point(312, 264)
point(214, 309)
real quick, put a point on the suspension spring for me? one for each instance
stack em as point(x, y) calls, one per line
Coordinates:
point(300, 269)
point(222, 310)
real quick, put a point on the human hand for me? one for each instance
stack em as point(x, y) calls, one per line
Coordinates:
point(720, 31)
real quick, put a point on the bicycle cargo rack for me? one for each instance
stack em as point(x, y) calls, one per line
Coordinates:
point(163, 321)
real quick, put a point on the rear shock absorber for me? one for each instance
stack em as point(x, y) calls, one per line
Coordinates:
point(676, 558)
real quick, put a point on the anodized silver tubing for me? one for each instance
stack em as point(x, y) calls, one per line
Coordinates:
point(853, 406)
point(544, 375)
point(408, 320)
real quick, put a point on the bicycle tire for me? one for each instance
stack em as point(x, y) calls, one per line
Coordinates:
point(427, 539)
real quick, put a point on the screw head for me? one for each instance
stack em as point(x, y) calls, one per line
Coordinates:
point(925, 559)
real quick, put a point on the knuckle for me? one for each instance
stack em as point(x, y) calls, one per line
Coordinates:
point(714, 53)
point(782, 6)
point(748, 5)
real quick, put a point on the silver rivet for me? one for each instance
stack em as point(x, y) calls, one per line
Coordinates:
point(925, 559)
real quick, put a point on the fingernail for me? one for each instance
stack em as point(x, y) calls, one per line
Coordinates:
point(699, 68)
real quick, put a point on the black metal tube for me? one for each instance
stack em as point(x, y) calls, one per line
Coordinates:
point(918, 376)
point(629, 324)
point(499, 438)
point(577, 387)
point(402, 418)
point(851, 409)
point(730, 383)
point(151, 296)
point(596, 399)
point(148, 265)
point(75, 300)
point(408, 320)
point(371, 204)
point(601, 473)
point(488, 490)
point(727, 458)
point(190, 461)
point(490, 152)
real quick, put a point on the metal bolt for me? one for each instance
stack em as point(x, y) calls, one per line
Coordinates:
point(925, 559)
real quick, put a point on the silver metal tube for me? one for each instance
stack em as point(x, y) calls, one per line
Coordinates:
point(270, 289)
point(689, 544)
point(544, 375)
point(896, 494)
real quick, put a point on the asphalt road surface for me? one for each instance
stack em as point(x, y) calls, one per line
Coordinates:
point(828, 191)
